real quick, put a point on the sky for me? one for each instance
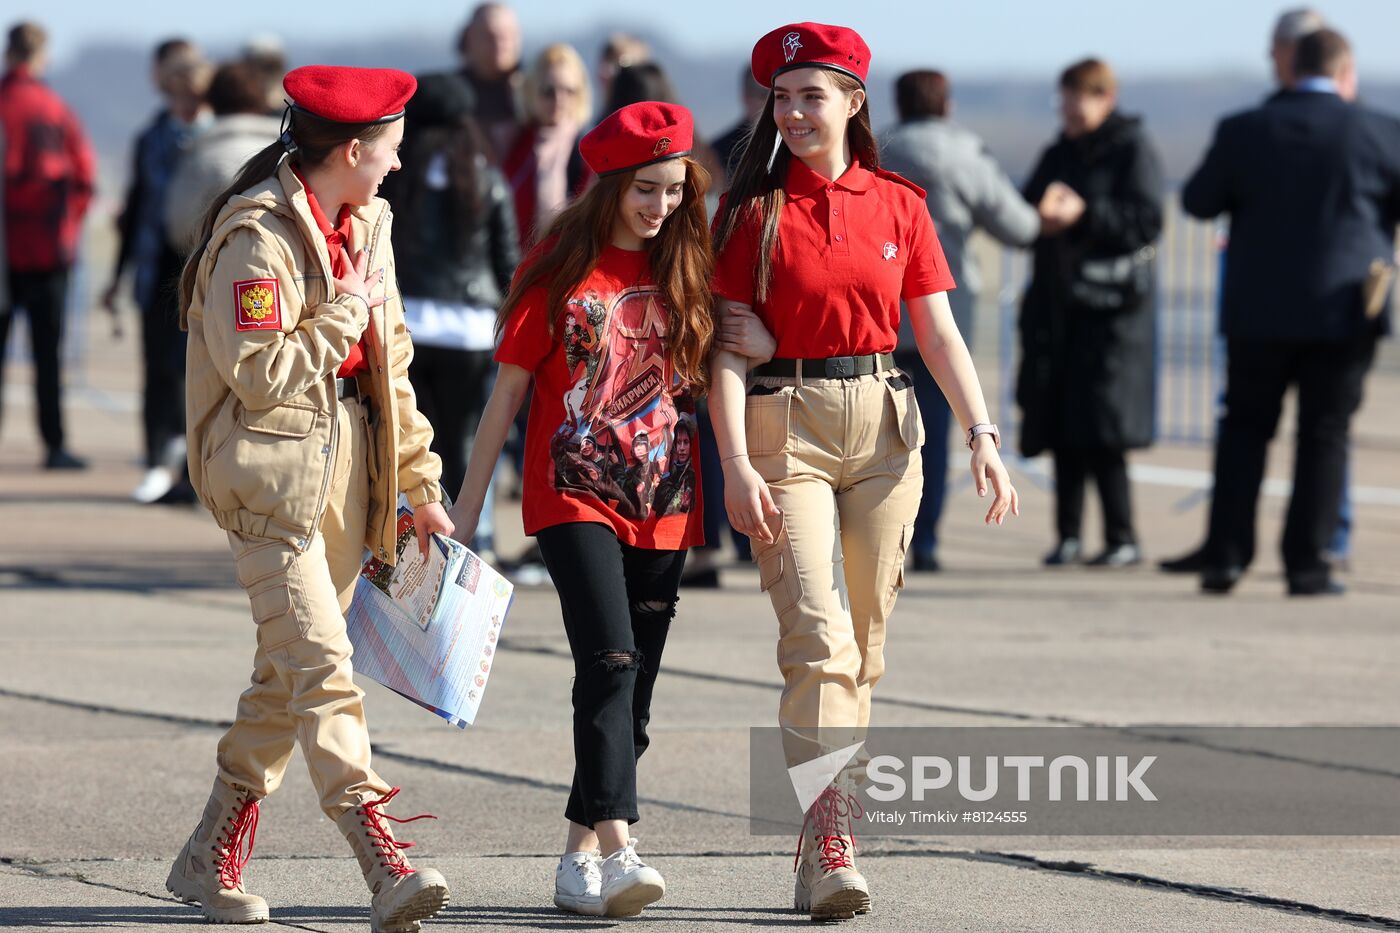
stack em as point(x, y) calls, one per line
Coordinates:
point(972, 39)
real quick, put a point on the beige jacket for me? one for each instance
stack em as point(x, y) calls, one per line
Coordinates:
point(260, 403)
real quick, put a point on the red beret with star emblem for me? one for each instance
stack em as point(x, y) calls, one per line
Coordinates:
point(637, 135)
point(810, 45)
point(343, 94)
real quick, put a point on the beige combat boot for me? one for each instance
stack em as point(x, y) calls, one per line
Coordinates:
point(209, 870)
point(827, 883)
point(402, 894)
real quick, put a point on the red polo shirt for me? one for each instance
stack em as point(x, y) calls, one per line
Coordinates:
point(337, 236)
point(848, 251)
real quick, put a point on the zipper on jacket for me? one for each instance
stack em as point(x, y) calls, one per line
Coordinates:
point(333, 449)
point(386, 382)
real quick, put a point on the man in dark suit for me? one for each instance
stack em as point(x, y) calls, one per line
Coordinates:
point(1311, 183)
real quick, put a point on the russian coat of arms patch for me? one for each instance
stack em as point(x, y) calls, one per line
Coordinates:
point(256, 305)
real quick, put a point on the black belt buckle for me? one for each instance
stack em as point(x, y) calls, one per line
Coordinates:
point(840, 367)
point(347, 388)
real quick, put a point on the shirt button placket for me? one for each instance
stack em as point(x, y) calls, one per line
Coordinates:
point(840, 241)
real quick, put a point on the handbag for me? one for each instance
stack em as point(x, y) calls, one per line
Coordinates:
point(1114, 283)
point(1375, 290)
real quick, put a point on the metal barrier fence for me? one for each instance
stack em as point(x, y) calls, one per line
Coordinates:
point(1189, 376)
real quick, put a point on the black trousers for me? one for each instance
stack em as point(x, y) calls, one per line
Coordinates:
point(163, 360)
point(618, 602)
point(1329, 376)
point(1109, 469)
point(451, 389)
point(41, 295)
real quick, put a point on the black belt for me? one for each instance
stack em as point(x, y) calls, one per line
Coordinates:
point(347, 388)
point(834, 367)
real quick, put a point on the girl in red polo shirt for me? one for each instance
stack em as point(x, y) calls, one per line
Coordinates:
point(821, 458)
point(610, 317)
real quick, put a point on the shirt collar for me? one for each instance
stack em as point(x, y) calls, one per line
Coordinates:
point(803, 182)
point(1316, 84)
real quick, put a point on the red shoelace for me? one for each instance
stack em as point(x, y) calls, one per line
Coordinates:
point(836, 842)
point(383, 838)
point(234, 853)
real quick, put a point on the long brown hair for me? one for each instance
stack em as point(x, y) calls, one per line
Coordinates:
point(315, 139)
point(757, 191)
point(679, 256)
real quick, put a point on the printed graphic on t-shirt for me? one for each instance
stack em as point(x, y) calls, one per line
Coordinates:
point(628, 437)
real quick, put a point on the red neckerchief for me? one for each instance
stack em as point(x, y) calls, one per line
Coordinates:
point(337, 244)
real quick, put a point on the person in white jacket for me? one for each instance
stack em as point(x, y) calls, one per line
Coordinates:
point(239, 129)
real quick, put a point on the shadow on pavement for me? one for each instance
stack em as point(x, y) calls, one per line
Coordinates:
point(124, 571)
point(91, 918)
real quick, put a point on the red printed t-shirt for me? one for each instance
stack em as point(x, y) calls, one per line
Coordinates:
point(337, 237)
point(611, 436)
point(848, 251)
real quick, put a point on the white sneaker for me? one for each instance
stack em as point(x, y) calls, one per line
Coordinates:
point(577, 883)
point(156, 483)
point(628, 885)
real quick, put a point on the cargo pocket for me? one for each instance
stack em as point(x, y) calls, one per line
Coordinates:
point(766, 422)
point(906, 536)
point(272, 611)
point(778, 578)
point(908, 423)
point(283, 421)
point(263, 572)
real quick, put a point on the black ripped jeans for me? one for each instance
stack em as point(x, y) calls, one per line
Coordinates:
point(618, 602)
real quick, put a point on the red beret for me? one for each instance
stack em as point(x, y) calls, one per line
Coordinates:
point(810, 45)
point(637, 135)
point(350, 95)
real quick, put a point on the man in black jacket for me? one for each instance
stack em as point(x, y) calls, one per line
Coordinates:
point(1311, 183)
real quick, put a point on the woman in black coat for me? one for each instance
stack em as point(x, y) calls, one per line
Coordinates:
point(1087, 381)
point(456, 256)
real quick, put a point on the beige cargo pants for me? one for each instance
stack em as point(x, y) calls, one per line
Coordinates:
point(302, 689)
point(841, 459)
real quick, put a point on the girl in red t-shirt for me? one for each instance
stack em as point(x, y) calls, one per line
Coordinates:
point(610, 318)
point(820, 446)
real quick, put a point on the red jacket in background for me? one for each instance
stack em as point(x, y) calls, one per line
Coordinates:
point(49, 172)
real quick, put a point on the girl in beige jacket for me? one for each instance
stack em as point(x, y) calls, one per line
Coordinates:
point(303, 432)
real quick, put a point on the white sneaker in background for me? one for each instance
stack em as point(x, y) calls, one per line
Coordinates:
point(156, 483)
point(628, 884)
point(577, 884)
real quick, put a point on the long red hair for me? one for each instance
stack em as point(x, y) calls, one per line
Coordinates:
point(680, 257)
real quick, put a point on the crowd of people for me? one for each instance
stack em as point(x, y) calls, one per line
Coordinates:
point(493, 158)
point(791, 366)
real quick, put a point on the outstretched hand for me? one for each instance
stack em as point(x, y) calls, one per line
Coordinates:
point(464, 520)
point(988, 470)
